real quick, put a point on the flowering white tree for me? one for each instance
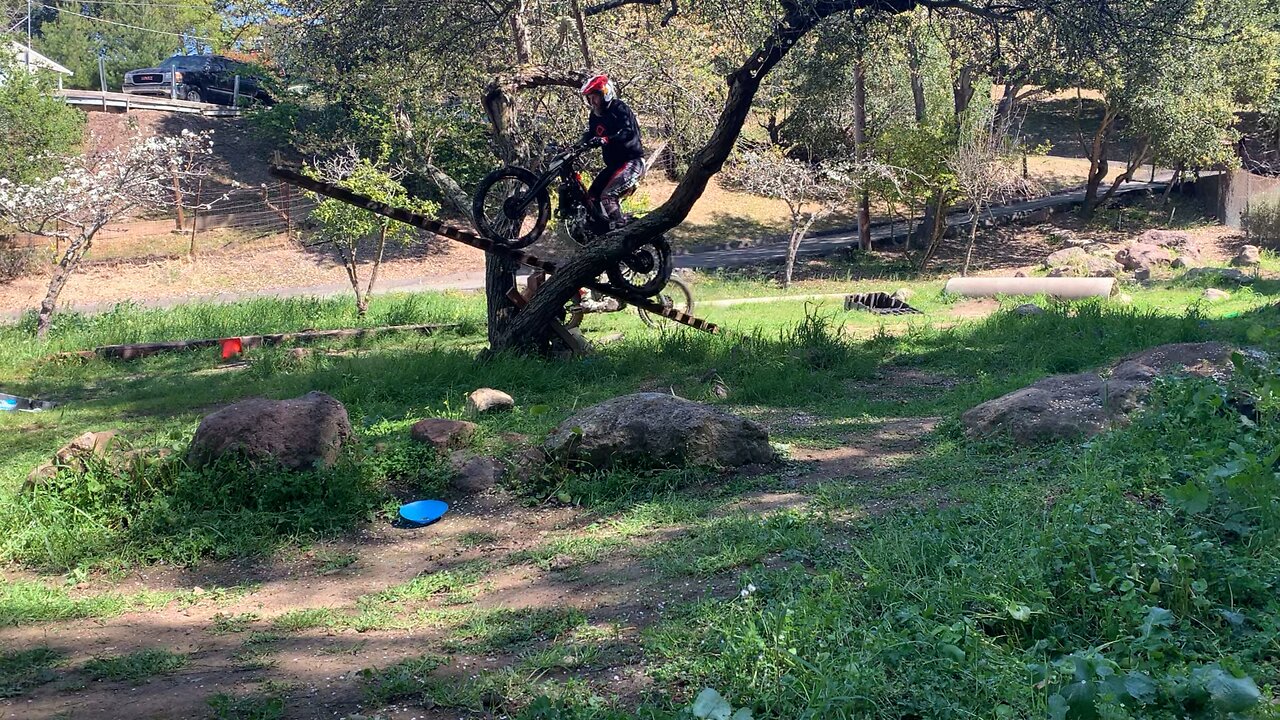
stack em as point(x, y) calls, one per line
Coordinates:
point(96, 188)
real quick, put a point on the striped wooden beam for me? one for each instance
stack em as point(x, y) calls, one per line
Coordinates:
point(294, 177)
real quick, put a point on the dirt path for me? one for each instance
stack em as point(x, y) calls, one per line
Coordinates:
point(232, 646)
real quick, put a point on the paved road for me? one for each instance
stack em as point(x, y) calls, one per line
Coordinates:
point(814, 246)
point(830, 243)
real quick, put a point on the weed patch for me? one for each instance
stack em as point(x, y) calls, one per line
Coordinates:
point(21, 670)
point(134, 667)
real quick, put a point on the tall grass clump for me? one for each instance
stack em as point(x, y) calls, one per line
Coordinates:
point(1137, 579)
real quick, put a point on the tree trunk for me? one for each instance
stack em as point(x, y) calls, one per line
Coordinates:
point(527, 329)
point(1098, 164)
point(353, 276)
point(973, 240)
point(962, 89)
point(520, 33)
point(935, 225)
point(582, 33)
point(917, 84)
point(1135, 161)
point(76, 250)
point(500, 105)
point(860, 148)
point(373, 272)
point(793, 246)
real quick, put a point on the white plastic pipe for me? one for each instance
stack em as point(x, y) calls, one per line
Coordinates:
point(1064, 288)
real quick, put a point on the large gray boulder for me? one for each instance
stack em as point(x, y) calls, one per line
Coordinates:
point(1065, 407)
point(658, 429)
point(299, 434)
point(1142, 256)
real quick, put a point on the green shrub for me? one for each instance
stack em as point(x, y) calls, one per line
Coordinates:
point(1262, 220)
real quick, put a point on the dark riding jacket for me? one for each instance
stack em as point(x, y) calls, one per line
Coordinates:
point(621, 132)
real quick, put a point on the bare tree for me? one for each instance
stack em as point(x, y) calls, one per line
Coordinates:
point(96, 188)
point(811, 191)
point(987, 170)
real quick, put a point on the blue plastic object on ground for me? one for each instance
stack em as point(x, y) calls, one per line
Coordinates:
point(423, 512)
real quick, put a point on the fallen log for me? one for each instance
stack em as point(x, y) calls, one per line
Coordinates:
point(139, 350)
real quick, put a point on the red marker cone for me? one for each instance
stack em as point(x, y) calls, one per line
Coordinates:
point(231, 347)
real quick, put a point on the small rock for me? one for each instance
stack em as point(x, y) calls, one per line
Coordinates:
point(527, 466)
point(197, 590)
point(1142, 274)
point(903, 294)
point(1249, 256)
point(1165, 238)
point(442, 433)
point(489, 400)
point(1214, 295)
point(40, 476)
point(1028, 309)
point(649, 428)
point(1064, 236)
point(87, 445)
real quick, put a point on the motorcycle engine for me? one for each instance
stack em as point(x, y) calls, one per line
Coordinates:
point(577, 226)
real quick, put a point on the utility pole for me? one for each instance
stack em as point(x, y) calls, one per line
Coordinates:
point(28, 35)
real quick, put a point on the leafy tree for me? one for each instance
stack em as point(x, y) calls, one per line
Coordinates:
point(36, 128)
point(126, 35)
point(350, 230)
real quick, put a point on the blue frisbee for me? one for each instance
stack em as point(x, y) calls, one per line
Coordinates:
point(423, 512)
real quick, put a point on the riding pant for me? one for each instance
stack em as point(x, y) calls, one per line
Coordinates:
point(613, 183)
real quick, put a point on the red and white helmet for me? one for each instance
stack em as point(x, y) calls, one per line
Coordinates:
point(601, 84)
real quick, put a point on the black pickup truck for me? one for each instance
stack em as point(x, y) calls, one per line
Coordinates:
point(198, 78)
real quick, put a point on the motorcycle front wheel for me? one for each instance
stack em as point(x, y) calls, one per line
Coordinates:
point(644, 272)
point(503, 210)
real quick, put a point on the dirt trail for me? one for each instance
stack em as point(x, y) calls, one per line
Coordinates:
point(317, 670)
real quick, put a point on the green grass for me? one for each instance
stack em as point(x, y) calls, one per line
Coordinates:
point(25, 602)
point(137, 666)
point(21, 670)
point(966, 579)
point(247, 707)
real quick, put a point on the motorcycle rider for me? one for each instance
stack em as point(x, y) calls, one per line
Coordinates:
point(617, 132)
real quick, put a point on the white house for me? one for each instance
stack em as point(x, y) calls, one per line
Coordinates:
point(24, 56)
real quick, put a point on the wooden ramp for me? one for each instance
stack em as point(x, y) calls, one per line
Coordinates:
point(98, 100)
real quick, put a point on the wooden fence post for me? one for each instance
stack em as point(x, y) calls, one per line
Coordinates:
point(195, 219)
point(177, 201)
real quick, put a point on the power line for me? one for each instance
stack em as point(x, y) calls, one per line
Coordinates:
point(133, 27)
point(131, 3)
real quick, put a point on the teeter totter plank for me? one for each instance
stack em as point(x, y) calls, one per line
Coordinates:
point(293, 177)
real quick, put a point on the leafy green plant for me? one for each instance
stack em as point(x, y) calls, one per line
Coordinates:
point(21, 670)
point(137, 666)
